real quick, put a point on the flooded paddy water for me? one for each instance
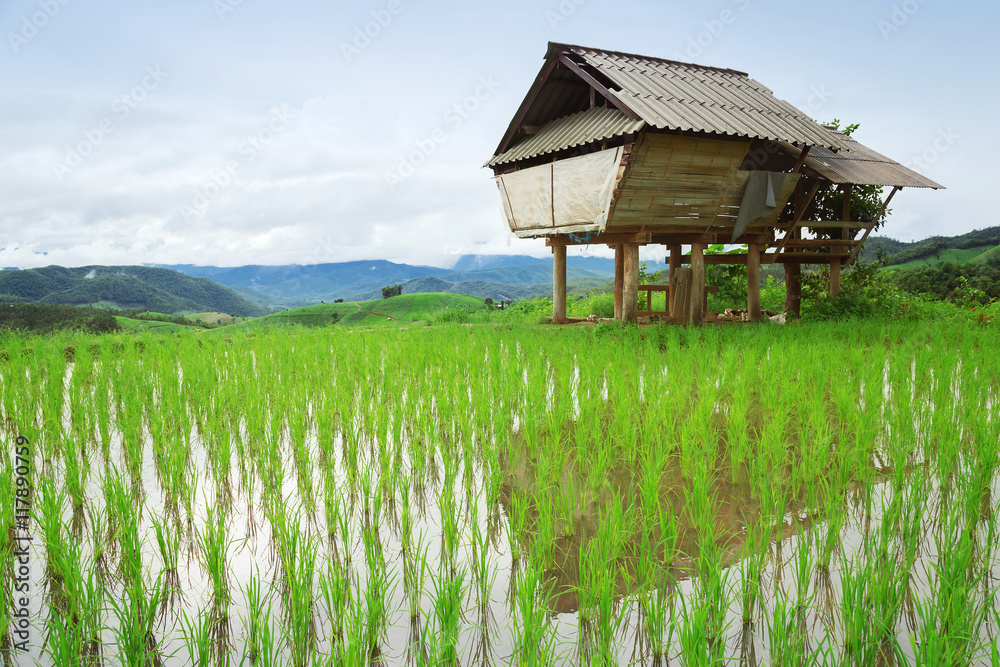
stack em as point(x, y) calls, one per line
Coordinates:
point(817, 494)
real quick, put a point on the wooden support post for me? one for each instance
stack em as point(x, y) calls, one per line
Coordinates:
point(681, 284)
point(753, 282)
point(630, 283)
point(697, 283)
point(835, 267)
point(675, 263)
point(559, 285)
point(619, 278)
point(793, 288)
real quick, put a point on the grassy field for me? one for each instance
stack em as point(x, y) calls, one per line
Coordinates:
point(403, 308)
point(821, 493)
point(155, 326)
point(212, 318)
point(956, 255)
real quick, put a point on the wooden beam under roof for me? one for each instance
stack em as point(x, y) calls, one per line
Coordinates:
point(598, 86)
point(639, 238)
point(799, 213)
point(526, 105)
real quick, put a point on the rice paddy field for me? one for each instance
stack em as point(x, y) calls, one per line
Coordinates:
point(817, 494)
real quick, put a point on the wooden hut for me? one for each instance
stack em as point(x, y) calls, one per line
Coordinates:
point(627, 150)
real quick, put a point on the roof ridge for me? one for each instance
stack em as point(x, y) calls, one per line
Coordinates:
point(555, 47)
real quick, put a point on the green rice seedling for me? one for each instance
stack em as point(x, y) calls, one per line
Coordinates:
point(168, 542)
point(415, 571)
point(335, 592)
point(751, 568)
point(74, 621)
point(601, 616)
point(858, 647)
point(483, 576)
point(356, 649)
point(788, 643)
point(449, 592)
point(802, 570)
point(567, 500)
point(534, 639)
point(48, 517)
point(198, 634)
point(300, 627)
point(951, 620)
point(697, 634)
point(377, 594)
point(260, 647)
point(404, 487)
point(75, 476)
point(213, 545)
point(654, 600)
point(135, 610)
point(712, 576)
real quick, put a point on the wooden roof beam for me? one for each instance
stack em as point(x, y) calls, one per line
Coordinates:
point(799, 213)
point(802, 160)
point(598, 86)
point(641, 238)
point(526, 105)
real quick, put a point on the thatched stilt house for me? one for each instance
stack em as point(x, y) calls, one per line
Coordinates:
point(625, 150)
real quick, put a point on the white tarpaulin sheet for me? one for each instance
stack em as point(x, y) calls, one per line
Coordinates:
point(571, 195)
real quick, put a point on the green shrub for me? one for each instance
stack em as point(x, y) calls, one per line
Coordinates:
point(601, 304)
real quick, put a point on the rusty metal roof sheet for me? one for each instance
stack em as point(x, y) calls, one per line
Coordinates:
point(687, 97)
point(573, 130)
point(859, 165)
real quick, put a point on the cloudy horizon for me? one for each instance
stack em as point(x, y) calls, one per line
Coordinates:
point(234, 132)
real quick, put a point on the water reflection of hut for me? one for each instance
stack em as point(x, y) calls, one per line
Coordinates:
point(625, 150)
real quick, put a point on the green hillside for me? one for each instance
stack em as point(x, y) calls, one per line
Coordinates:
point(404, 308)
point(495, 291)
point(956, 255)
point(971, 246)
point(154, 326)
point(124, 287)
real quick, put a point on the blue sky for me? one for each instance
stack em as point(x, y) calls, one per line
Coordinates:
point(234, 132)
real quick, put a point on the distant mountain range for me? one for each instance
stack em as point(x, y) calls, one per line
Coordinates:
point(494, 276)
point(255, 290)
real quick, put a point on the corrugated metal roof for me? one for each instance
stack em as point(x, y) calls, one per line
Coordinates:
point(681, 96)
point(573, 130)
point(860, 165)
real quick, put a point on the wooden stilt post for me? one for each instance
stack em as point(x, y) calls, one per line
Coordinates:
point(835, 265)
point(630, 283)
point(619, 277)
point(753, 282)
point(793, 288)
point(675, 263)
point(559, 284)
point(697, 283)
